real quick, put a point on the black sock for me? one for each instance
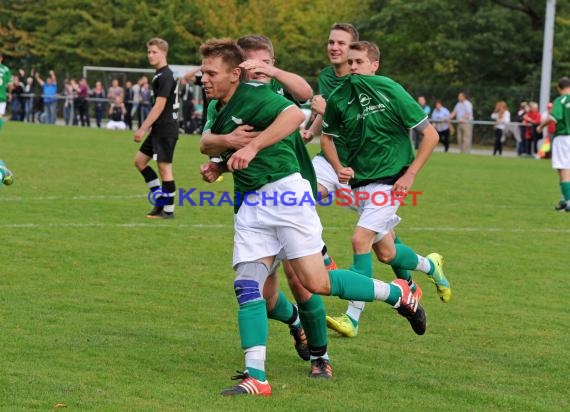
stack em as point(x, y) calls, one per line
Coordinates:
point(169, 187)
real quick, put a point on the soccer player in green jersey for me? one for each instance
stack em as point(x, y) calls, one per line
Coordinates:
point(369, 117)
point(5, 84)
point(560, 114)
point(260, 66)
point(264, 227)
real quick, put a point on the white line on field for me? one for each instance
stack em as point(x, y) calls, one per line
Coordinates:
point(152, 225)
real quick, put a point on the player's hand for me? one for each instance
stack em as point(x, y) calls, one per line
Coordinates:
point(241, 136)
point(345, 174)
point(258, 68)
point(403, 185)
point(307, 135)
point(210, 171)
point(241, 159)
point(318, 104)
point(139, 134)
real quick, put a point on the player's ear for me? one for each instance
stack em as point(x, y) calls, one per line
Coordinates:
point(238, 74)
point(376, 66)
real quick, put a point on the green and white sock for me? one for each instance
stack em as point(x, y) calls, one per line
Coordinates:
point(362, 264)
point(565, 189)
point(252, 321)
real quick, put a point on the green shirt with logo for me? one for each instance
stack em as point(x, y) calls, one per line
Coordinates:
point(369, 118)
point(561, 114)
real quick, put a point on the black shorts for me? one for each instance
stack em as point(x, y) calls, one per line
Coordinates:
point(161, 142)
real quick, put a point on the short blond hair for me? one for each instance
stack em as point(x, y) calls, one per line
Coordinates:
point(158, 42)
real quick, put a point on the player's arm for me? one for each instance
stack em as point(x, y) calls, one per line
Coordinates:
point(211, 171)
point(284, 124)
point(314, 130)
point(213, 144)
point(430, 139)
point(154, 114)
point(544, 124)
point(329, 150)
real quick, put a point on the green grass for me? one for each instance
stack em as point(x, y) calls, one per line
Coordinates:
point(101, 309)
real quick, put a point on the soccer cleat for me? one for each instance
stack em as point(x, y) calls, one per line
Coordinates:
point(248, 386)
point(418, 293)
point(438, 277)
point(561, 206)
point(300, 342)
point(155, 211)
point(321, 368)
point(332, 265)
point(343, 325)
point(6, 174)
point(162, 215)
point(410, 308)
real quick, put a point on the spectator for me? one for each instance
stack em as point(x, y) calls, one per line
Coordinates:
point(17, 103)
point(68, 102)
point(135, 112)
point(115, 91)
point(29, 100)
point(463, 112)
point(145, 102)
point(531, 119)
point(98, 95)
point(519, 118)
point(128, 93)
point(187, 97)
point(440, 119)
point(427, 110)
point(83, 102)
point(49, 95)
point(117, 112)
point(502, 118)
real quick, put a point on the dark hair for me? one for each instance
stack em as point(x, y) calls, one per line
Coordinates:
point(256, 42)
point(564, 82)
point(158, 42)
point(347, 27)
point(370, 48)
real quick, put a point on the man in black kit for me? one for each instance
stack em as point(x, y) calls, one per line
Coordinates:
point(162, 122)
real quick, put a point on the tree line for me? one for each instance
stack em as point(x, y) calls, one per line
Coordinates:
point(492, 49)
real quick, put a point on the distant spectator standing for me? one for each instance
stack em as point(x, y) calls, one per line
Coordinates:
point(115, 91)
point(463, 112)
point(83, 102)
point(519, 118)
point(145, 102)
point(29, 100)
point(5, 83)
point(129, 103)
point(68, 102)
point(440, 119)
point(187, 98)
point(531, 119)
point(427, 110)
point(502, 118)
point(49, 95)
point(560, 115)
point(135, 112)
point(17, 103)
point(98, 95)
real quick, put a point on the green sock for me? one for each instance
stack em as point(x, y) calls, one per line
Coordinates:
point(283, 310)
point(400, 272)
point(1, 123)
point(313, 318)
point(350, 285)
point(394, 296)
point(362, 264)
point(252, 320)
point(405, 258)
point(565, 189)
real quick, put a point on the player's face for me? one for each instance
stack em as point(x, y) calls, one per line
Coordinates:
point(359, 63)
point(265, 57)
point(219, 80)
point(156, 57)
point(337, 47)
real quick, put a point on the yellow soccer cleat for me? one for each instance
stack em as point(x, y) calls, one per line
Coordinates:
point(343, 325)
point(438, 277)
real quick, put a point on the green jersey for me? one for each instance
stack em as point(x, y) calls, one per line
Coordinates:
point(369, 118)
point(328, 81)
point(256, 105)
point(561, 115)
point(5, 79)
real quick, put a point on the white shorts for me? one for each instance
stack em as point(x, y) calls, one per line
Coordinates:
point(2, 108)
point(116, 125)
point(266, 228)
point(377, 208)
point(327, 177)
point(561, 152)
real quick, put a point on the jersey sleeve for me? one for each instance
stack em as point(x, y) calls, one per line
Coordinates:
point(410, 112)
point(557, 112)
point(331, 118)
point(210, 116)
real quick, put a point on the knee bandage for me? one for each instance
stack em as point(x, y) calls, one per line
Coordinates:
point(249, 281)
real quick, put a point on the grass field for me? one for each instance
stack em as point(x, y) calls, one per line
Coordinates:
point(101, 309)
